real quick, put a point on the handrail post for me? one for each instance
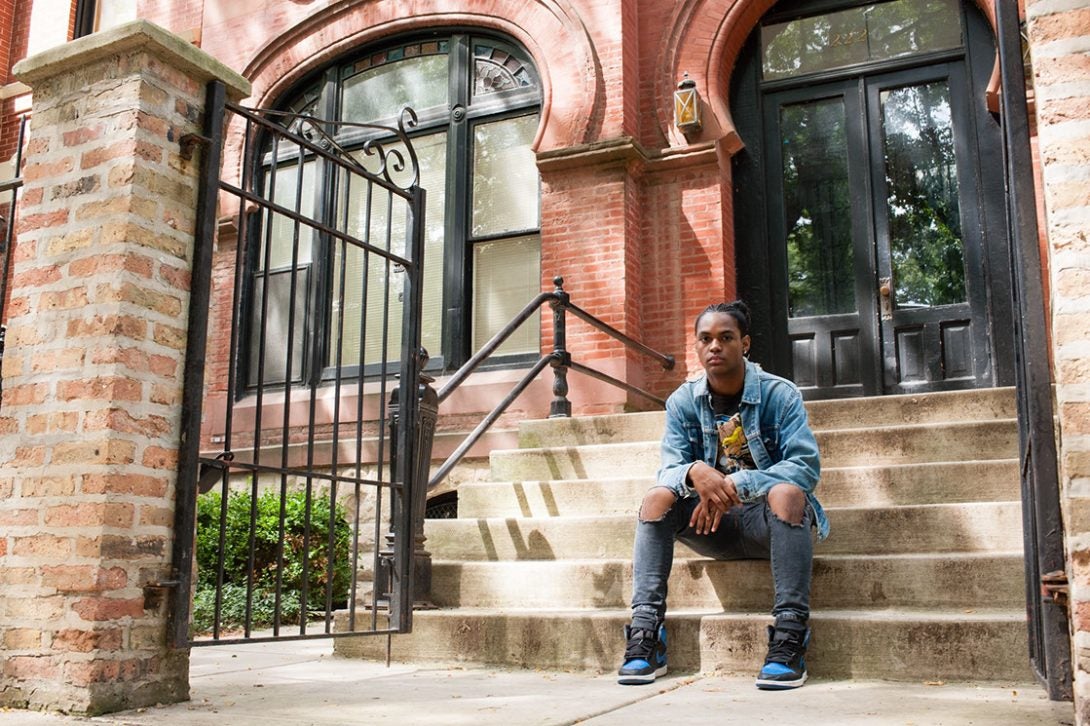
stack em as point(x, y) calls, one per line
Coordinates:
point(417, 498)
point(425, 438)
point(561, 358)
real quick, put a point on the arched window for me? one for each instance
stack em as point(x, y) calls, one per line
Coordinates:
point(477, 99)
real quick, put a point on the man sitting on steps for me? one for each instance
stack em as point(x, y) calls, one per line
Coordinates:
point(739, 467)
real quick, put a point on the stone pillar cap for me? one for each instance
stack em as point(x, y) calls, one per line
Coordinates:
point(138, 35)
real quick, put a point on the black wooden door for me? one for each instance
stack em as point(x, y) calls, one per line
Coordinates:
point(817, 145)
point(933, 315)
point(874, 216)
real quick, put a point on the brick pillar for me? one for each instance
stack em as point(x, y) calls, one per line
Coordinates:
point(90, 415)
point(1059, 35)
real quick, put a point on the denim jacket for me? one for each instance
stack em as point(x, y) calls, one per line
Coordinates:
point(774, 420)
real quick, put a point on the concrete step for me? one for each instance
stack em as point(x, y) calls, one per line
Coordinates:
point(889, 485)
point(920, 443)
point(931, 409)
point(975, 527)
point(907, 645)
point(953, 581)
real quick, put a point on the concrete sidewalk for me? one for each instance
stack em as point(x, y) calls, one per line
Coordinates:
point(302, 683)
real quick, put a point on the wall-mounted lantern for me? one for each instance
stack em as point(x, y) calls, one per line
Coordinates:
point(687, 105)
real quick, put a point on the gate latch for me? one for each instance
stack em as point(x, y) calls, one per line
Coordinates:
point(1054, 587)
point(212, 471)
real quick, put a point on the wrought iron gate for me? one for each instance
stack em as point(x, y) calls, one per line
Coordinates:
point(305, 485)
point(11, 188)
point(1042, 523)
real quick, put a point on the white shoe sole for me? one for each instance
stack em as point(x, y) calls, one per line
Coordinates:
point(637, 679)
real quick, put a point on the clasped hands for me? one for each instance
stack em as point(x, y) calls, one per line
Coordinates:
point(718, 496)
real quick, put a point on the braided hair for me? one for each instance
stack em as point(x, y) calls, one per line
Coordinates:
point(736, 309)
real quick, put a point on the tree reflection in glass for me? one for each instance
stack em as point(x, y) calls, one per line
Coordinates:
point(857, 35)
point(922, 196)
point(820, 274)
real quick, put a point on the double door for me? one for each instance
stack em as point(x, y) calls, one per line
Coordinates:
point(874, 212)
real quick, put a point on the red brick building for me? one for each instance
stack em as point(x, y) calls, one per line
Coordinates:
point(846, 178)
point(657, 240)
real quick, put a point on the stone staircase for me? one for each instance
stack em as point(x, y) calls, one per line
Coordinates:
point(921, 578)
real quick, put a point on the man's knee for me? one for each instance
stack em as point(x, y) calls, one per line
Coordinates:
point(656, 504)
point(787, 502)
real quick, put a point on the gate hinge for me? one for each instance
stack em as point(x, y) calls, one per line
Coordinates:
point(155, 592)
point(1054, 588)
point(188, 142)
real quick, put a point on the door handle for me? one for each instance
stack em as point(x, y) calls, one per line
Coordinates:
point(885, 290)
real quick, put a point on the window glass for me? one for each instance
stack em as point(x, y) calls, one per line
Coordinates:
point(278, 315)
point(366, 275)
point(283, 229)
point(922, 196)
point(505, 177)
point(383, 90)
point(859, 35)
point(111, 13)
point(506, 276)
point(820, 274)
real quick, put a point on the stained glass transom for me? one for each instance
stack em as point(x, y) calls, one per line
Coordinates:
point(495, 71)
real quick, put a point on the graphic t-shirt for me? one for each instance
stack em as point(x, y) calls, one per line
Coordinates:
point(733, 449)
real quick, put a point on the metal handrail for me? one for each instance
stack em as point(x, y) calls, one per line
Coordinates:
point(493, 344)
point(559, 359)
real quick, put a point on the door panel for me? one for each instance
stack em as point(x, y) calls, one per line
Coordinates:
point(816, 154)
point(873, 215)
point(933, 330)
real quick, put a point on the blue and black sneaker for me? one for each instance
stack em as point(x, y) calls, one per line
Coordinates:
point(644, 655)
point(785, 666)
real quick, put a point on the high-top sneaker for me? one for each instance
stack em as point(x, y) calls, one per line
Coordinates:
point(644, 655)
point(785, 665)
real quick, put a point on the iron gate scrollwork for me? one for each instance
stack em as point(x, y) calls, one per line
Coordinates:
point(303, 482)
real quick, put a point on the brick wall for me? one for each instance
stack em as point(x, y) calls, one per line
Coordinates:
point(92, 375)
point(20, 36)
point(1059, 34)
point(603, 90)
point(181, 17)
point(7, 29)
point(687, 266)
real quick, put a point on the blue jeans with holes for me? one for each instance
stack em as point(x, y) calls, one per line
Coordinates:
point(750, 531)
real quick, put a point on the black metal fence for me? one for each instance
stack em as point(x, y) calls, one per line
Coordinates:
point(10, 188)
point(328, 230)
point(1042, 521)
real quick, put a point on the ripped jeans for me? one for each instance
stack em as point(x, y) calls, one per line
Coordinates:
point(751, 531)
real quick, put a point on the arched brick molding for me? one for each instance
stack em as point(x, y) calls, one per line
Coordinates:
point(572, 89)
point(704, 39)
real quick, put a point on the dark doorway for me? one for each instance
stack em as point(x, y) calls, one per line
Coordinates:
point(869, 229)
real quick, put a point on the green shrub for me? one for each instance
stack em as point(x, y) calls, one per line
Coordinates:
point(236, 553)
point(233, 607)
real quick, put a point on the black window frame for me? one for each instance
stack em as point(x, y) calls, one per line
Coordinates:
point(85, 18)
point(463, 112)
